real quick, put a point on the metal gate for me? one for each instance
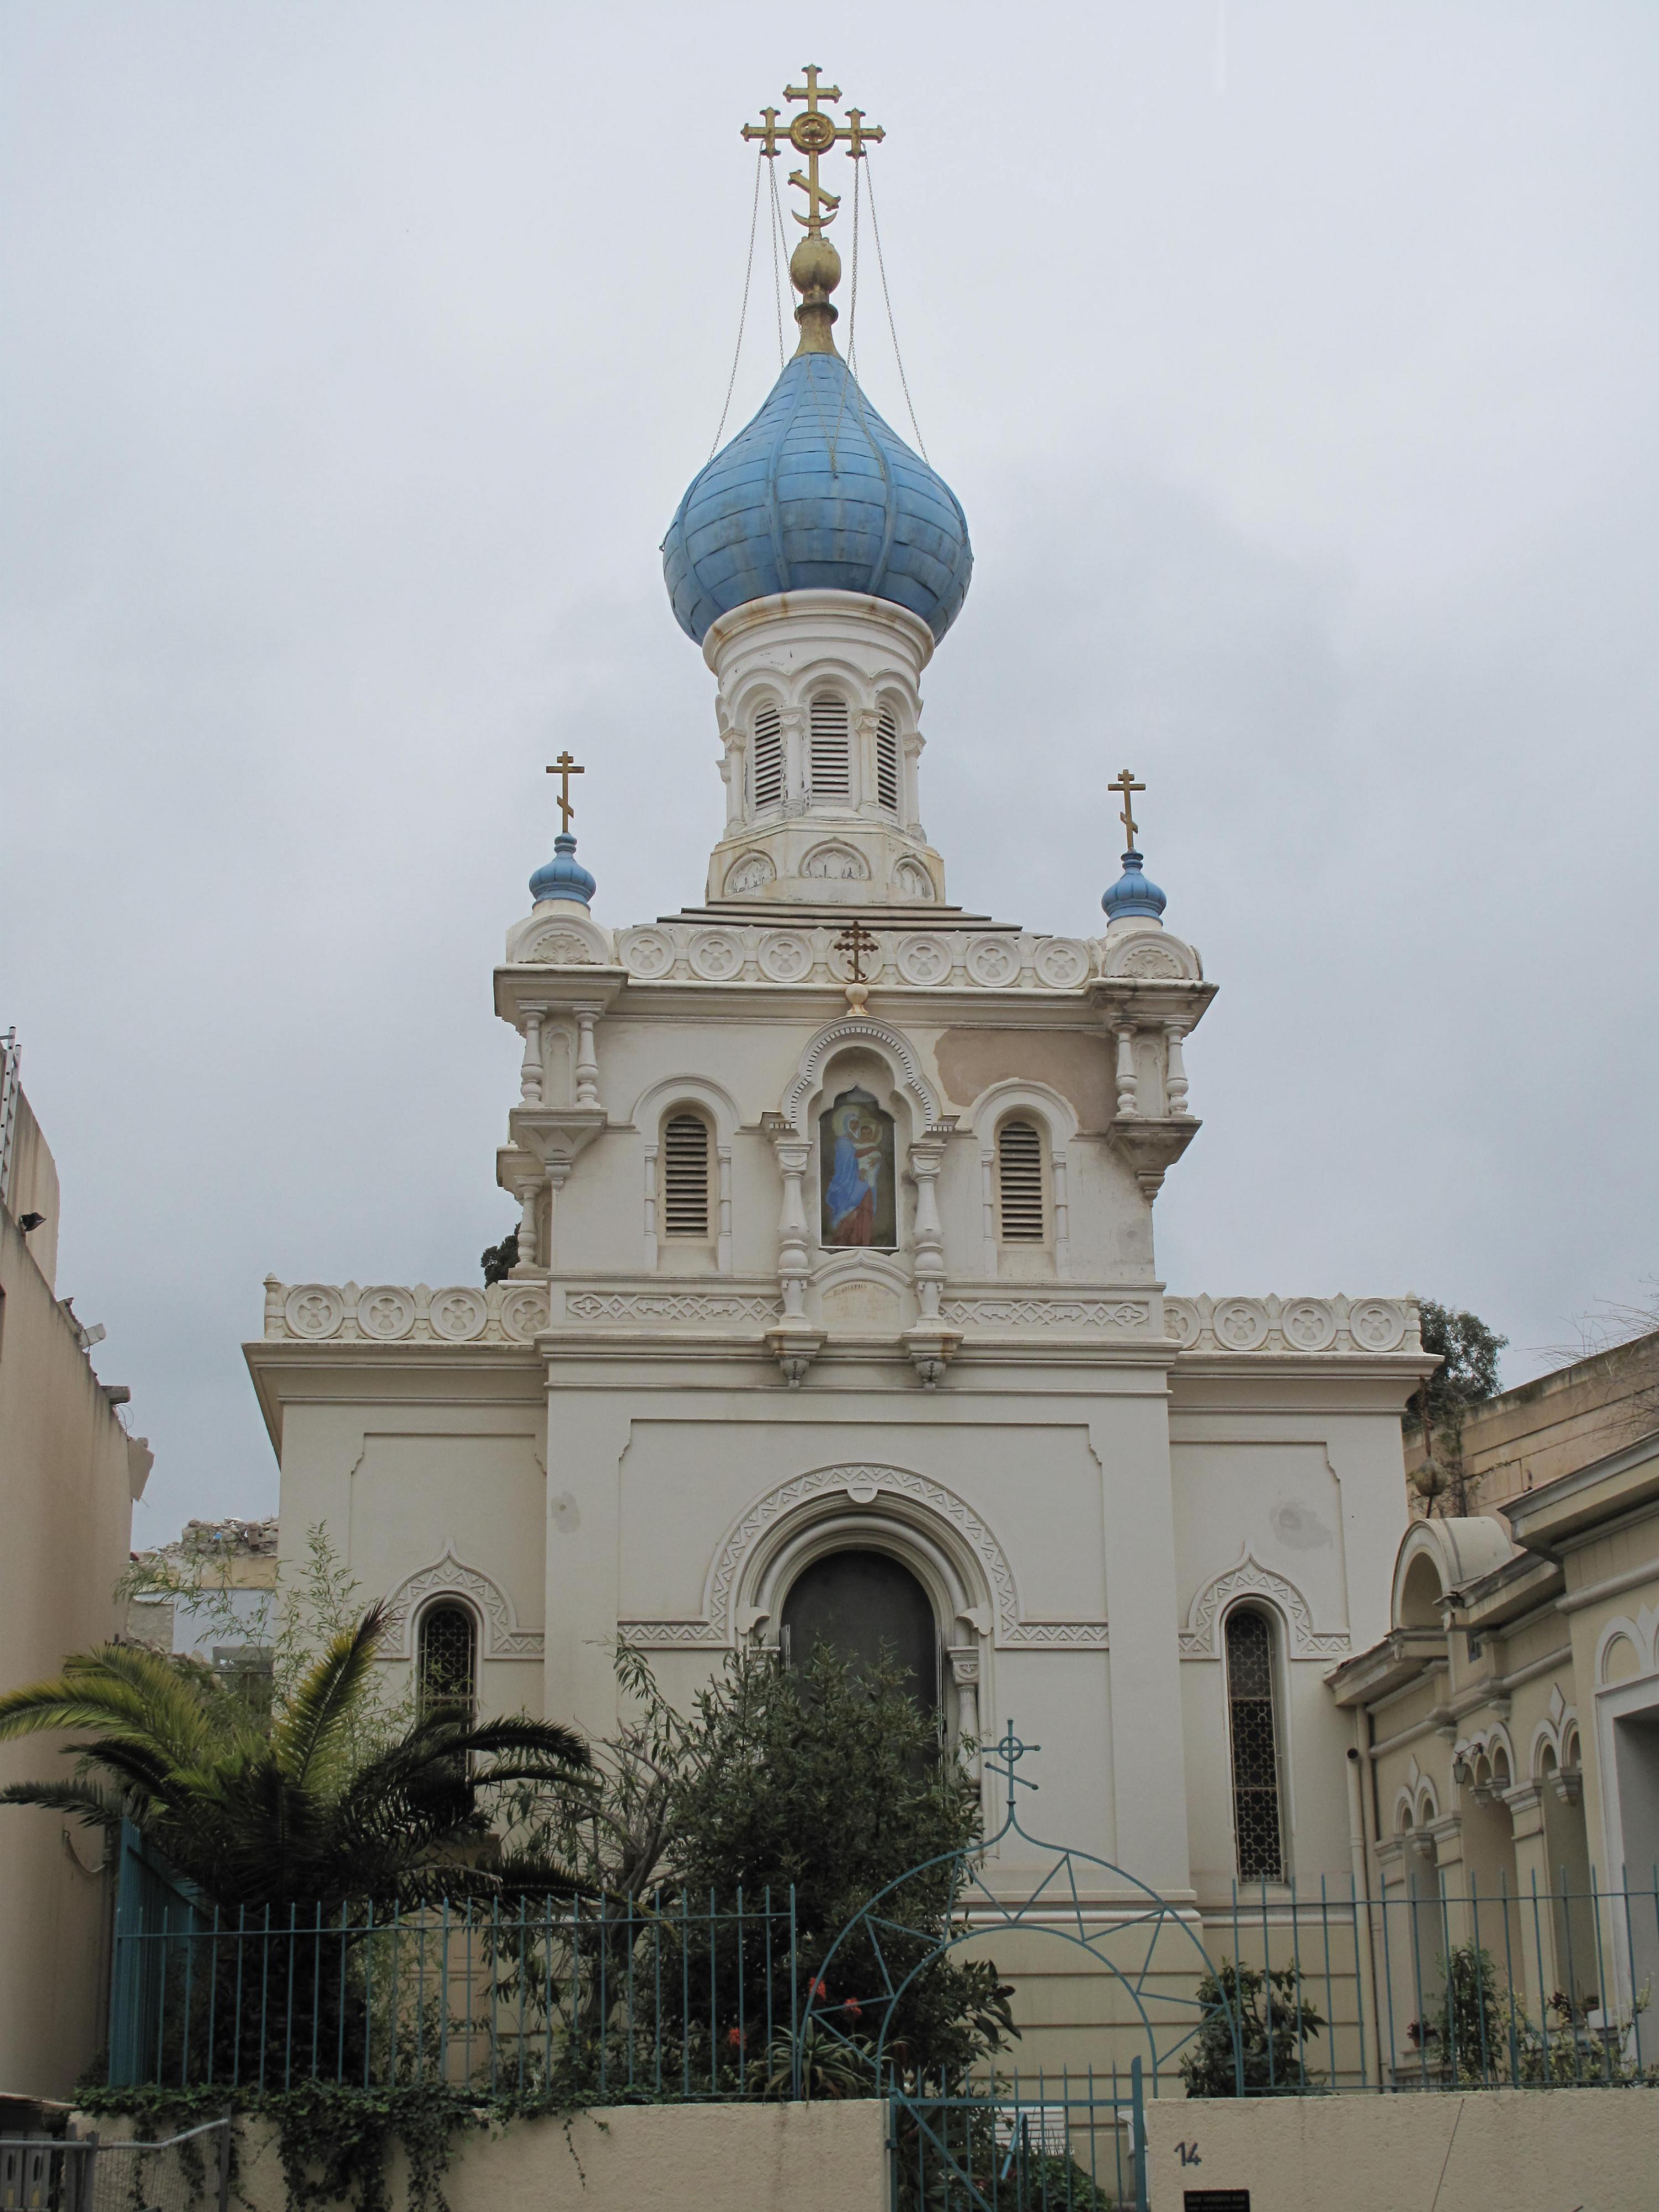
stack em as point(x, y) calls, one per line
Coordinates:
point(1071, 2140)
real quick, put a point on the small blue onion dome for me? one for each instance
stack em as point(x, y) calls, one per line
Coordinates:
point(817, 494)
point(563, 877)
point(1134, 894)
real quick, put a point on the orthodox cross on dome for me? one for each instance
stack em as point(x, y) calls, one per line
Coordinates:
point(855, 942)
point(564, 768)
point(1126, 786)
point(813, 133)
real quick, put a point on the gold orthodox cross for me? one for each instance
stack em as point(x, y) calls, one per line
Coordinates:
point(564, 768)
point(855, 942)
point(1126, 786)
point(813, 133)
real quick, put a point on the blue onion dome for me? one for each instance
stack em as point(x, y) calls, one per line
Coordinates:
point(817, 494)
point(563, 877)
point(1132, 894)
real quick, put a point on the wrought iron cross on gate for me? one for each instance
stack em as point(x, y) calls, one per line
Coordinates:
point(813, 133)
point(1012, 1752)
point(564, 768)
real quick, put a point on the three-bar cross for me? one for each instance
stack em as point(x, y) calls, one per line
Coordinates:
point(813, 133)
point(1126, 786)
point(855, 942)
point(564, 768)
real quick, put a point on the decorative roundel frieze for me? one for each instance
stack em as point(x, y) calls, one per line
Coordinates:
point(1180, 1323)
point(1151, 960)
point(1061, 963)
point(313, 1309)
point(1377, 1324)
point(785, 957)
point(924, 959)
point(648, 953)
point(1241, 1324)
point(1309, 1324)
point(459, 1315)
point(524, 1312)
point(386, 1312)
point(716, 955)
point(992, 961)
point(562, 949)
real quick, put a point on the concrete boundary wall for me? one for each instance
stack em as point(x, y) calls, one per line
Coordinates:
point(1524, 2150)
point(636, 2158)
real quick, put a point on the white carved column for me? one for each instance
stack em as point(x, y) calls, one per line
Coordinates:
point(863, 722)
point(1176, 1084)
point(912, 793)
point(532, 1076)
point(796, 779)
point(964, 1672)
point(1062, 1216)
point(527, 1193)
point(926, 1157)
point(734, 772)
point(558, 1174)
point(651, 1255)
point(723, 1247)
point(1128, 1083)
point(794, 1263)
point(587, 1065)
point(987, 1201)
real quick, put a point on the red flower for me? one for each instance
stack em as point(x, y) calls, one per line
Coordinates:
point(736, 2038)
point(853, 2009)
point(818, 1989)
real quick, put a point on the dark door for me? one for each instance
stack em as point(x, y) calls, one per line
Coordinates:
point(859, 1602)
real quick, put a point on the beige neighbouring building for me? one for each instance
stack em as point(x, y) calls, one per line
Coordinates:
point(68, 1474)
point(835, 1297)
point(1508, 1722)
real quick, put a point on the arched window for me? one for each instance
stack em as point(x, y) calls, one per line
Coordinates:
point(1020, 1207)
point(448, 1673)
point(831, 751)
point(861, 1603)
point(1253, 1730)
point(766, 758)
point(887, 762)
point(685, 1175)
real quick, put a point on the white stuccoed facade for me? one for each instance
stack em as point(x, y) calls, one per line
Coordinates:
point(651, 1435)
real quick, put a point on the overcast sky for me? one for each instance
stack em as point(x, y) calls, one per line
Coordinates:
point(1294, 363)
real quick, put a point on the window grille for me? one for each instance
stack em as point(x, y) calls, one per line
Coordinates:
point(832, 775)
point(449, 1658)
point(685, 1175)
point(887, 762)
point(766, 763)
point(1255, 1738)
point(1019, 1182)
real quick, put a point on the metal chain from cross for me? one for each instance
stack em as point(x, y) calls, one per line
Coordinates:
point(1012, 1752)
point(1126, 786)
point(813, 133)
point(564, 768)
point(855, 941)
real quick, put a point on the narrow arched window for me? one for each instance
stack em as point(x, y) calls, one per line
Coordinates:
point(828, 736)
point(766, 757)
point(448, 1660)
point(1019, 1183)
point(1254, 1733)
point(685, 1175)
point(887, 762)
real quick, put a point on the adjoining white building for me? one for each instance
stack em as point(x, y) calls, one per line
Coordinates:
point(836, 1307)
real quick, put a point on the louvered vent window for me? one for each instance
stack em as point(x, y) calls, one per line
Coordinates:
point(1255, 1738)
point(767, 769)
point(685, 1177)
point(887, 762)
point(1019, 1181)
point(831, 752)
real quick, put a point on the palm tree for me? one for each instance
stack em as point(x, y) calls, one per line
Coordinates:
point(284, 1810)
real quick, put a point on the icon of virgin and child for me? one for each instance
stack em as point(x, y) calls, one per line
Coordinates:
point(855, 1145)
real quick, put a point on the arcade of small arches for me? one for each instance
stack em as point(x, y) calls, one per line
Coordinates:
point(838, 745)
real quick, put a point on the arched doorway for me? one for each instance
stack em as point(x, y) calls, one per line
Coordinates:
point(859, 1600)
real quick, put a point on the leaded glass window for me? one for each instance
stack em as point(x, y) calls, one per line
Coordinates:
point(1255, 1740)
point(448, 1667)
